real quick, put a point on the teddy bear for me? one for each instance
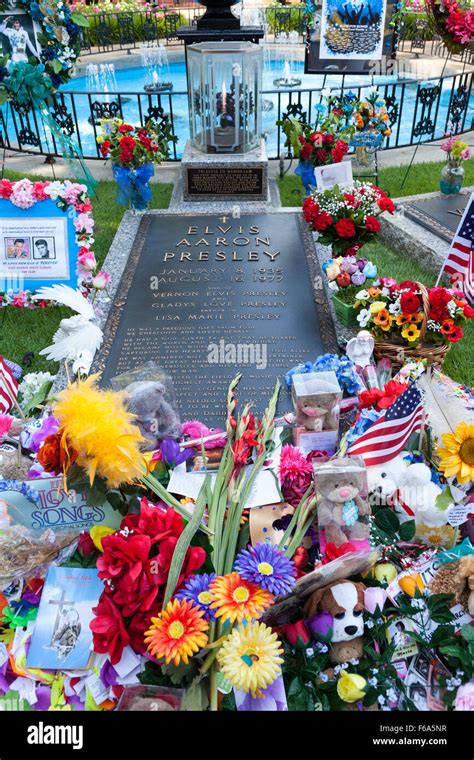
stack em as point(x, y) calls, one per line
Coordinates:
point(456, 578)
point(419, 493)
point(339, 606)
point(339, 483)
point(156, 418)
point(316, 397)
point(384, 480)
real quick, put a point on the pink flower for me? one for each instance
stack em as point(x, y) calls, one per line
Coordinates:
point(21, 298)
point(6, 421)
point(101, 280)
point(195, 429)
point(22, 194)
point(38, 190)
point(6, 188)
point(84, 222)
point(466, 154)
point(86, 260)
point(295, 474)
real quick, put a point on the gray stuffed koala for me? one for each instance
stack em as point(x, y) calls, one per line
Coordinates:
point(156, 418)
point(339, 483)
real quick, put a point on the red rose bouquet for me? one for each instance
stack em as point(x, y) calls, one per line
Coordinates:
point(347, 220)
point(318, 146)
point(131, 147)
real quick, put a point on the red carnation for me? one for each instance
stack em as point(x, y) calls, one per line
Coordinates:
point(439, 313)
point(468, 311)
point(125, 128)
point(108, 630)
point(322, 222)
point(321, 155)
point(410, 303)
point(6, 188)
point(386, 204)
point(372, 224)
point(337, 155)
point(328, 139)
point(345, 228)
point(439, 296)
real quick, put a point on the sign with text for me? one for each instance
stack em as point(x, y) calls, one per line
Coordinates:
point(208, 297)
point(334, 174)
point(37, 246)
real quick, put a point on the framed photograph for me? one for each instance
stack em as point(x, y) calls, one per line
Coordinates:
point(18, 38)
point(16, 248)
point(44, 248)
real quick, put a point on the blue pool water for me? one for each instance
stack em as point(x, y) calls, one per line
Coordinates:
point(131, 81)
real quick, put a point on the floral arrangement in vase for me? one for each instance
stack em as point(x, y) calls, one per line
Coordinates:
point(452, 174)
point(346, 220)
point(368, 122)
point(314, 147)
point(134, 151)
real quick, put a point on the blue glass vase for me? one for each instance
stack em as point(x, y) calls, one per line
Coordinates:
point(133, 189)
point(451, 180)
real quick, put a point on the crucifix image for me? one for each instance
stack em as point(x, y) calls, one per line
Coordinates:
point(67, 626)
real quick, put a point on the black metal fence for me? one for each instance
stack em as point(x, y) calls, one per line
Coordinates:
point(419, 112)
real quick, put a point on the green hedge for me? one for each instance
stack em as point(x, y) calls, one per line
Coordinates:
point(91, 35)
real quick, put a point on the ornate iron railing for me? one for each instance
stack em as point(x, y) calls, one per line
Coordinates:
point(419, 112)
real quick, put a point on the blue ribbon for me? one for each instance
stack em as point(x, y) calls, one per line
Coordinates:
point(132, 185)
point(305, 171)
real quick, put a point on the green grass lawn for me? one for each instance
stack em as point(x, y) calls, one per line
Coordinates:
point(23, 331)
point(422, 178)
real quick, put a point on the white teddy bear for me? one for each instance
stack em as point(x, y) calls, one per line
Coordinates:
point(399, 481)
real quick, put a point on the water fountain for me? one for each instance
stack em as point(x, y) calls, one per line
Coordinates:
point(288, 43)
point(155, 60)
point(101, 78)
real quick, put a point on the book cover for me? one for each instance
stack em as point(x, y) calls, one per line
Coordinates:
point(62, 639)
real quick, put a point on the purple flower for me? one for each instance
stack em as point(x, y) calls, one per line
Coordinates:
point(172, 454)
point(321, 626)
point(49, 426)
point(268, 567)
point(358, 278)
point(196, 589)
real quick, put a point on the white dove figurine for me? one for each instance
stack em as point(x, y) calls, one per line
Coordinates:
point(78, 337)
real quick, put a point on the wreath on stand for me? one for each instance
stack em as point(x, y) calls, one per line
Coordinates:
point(454, 23)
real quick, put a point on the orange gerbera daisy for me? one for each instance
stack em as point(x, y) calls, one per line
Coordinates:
point(383, 319)
point(236, 599)
point(403, 319)
point(177, 633)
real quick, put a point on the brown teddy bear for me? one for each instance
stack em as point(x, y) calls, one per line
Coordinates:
point(316, 397)
point(344, 601)
point(457, 578)
point(339, 483)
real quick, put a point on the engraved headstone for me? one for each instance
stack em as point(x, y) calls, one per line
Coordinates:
point(209, 296)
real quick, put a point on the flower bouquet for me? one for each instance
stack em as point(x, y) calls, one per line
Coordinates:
point(313, 147)
point(346, 276)
point(134, 152)
point(369, 123)
point(454, 23)
point(346, 220)
point(409, 320)
point(452, 174)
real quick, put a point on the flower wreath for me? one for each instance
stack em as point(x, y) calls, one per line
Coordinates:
point(25, 194)
point(453, 23)
point(59, 41)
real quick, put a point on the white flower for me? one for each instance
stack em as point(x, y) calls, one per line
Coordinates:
point(364, 317)
point(309, 652)
point(395, 308)
point(324, 677)
point(31, 384)
point(332, 285)
point(326, 92)
point(372, 682)
point(381, 699)
point(362, 295)
point(370, 623)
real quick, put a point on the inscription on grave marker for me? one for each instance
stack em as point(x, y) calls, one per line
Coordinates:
point(207, 297)
point(225, 181)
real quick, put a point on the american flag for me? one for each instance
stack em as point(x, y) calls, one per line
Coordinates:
point(460, 259)
point(390, 433)
point(8, 387)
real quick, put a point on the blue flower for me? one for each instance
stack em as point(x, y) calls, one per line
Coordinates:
point(370, 270)
point(366, 419)
point(266, 566)
point(196, 590)
point(300, 369)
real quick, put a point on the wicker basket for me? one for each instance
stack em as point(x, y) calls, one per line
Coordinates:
point(398, 353)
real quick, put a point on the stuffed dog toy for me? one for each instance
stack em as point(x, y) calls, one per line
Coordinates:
point(344, 601)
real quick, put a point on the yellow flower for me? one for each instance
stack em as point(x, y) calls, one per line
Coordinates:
point(97, 533)
point(411, 333)
point(351, 687)
point(250, 658)
point(96, 424)
point(377, 306)
point(457, 455)
point(412, 584)
point(236, 599)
